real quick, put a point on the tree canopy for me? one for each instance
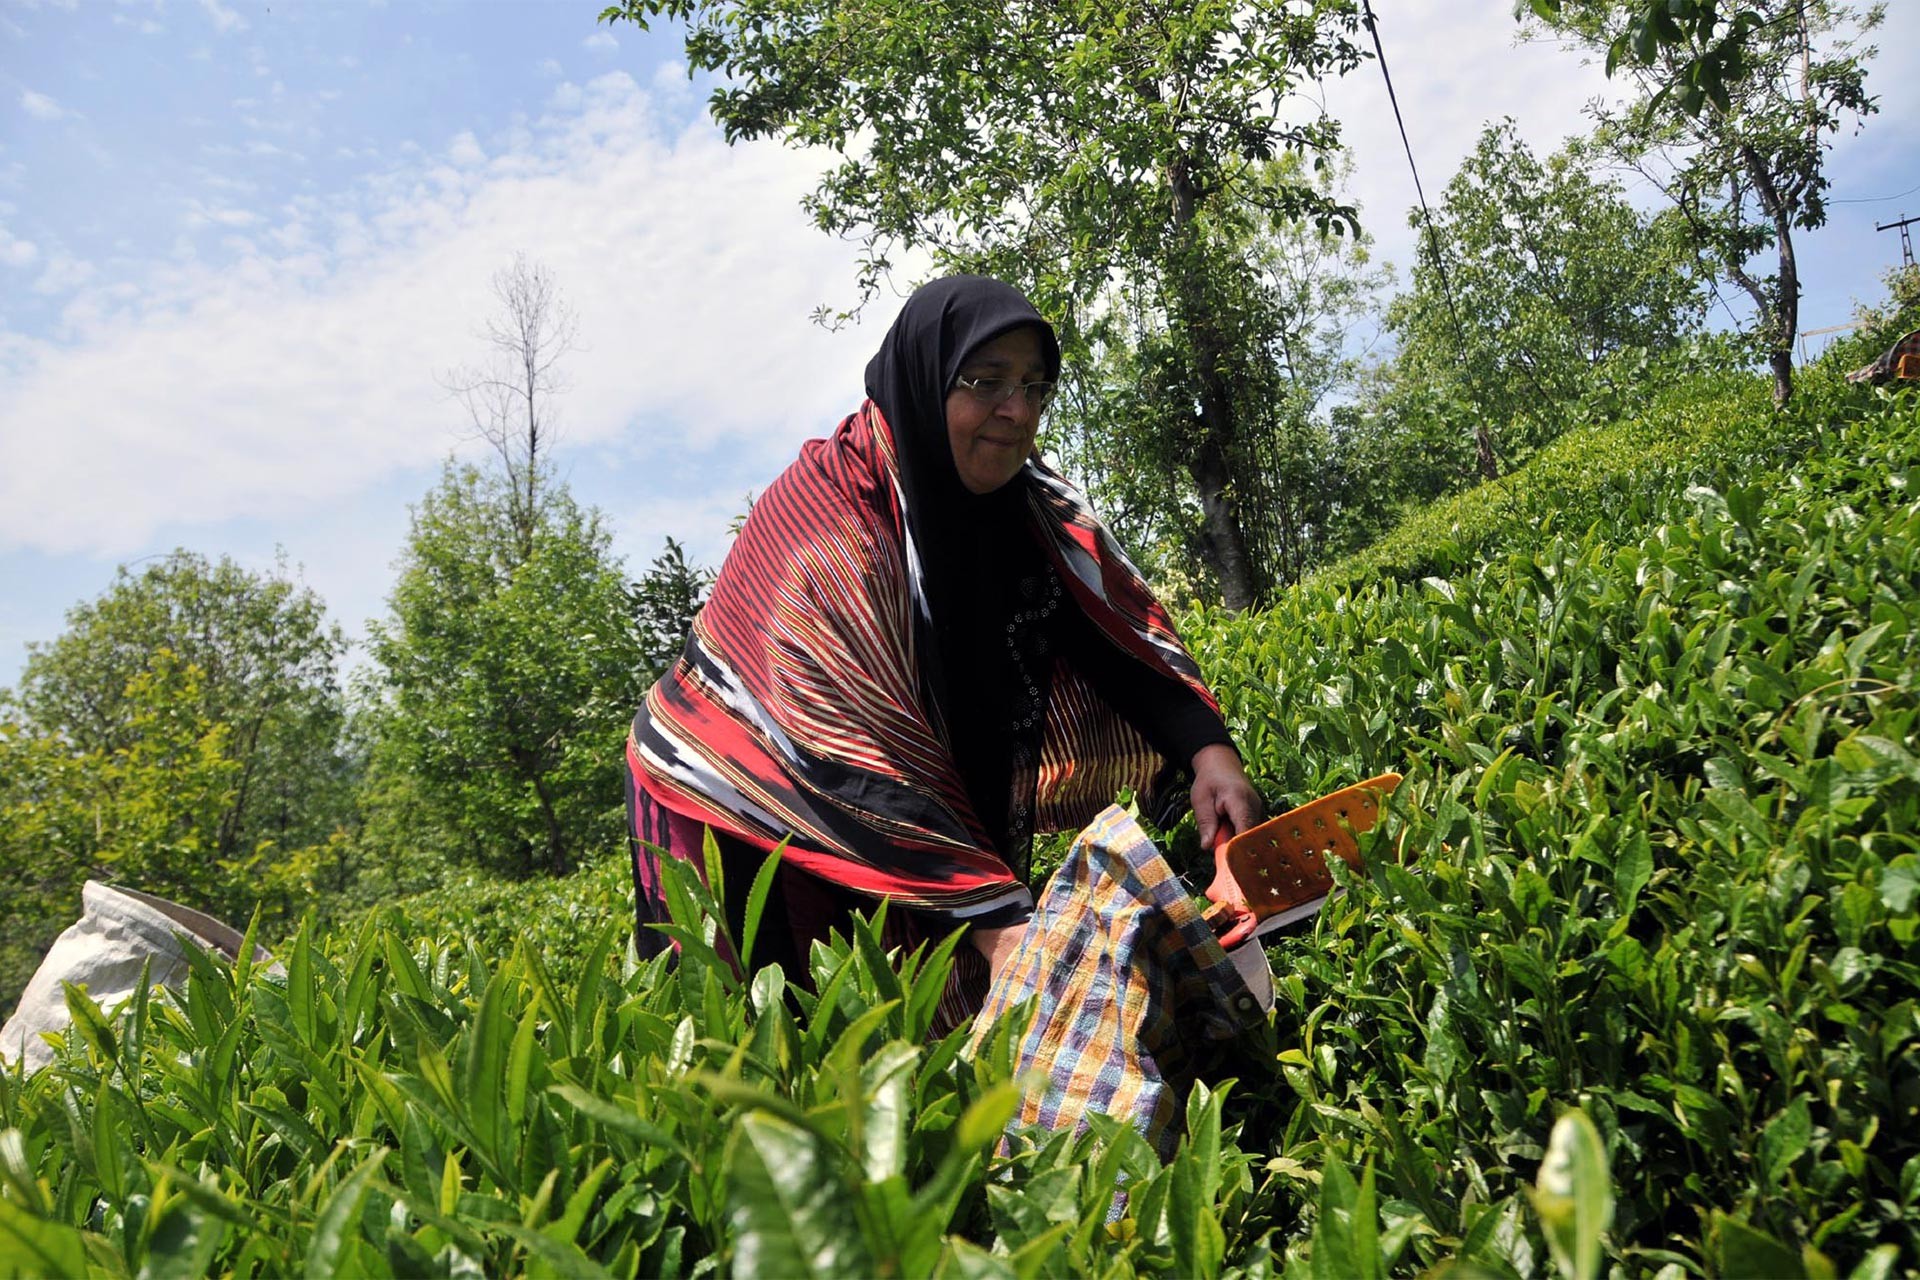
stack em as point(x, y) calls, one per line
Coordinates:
point(508, 681)
point(1744, 166)
point(183, 736)
point(1060, 147)
point(264, 658)
point(1549, 270)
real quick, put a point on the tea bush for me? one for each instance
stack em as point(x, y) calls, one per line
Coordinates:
point(416, 1107)
point(1656, 859)
point(558, 917)
point(1631, 986)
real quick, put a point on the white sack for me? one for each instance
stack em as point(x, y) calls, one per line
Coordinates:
point(119, 930)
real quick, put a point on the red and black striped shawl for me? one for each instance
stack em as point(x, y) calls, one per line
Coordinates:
point(799, 709)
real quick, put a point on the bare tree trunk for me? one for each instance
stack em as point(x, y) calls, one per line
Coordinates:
point(1225, 538)
point(1226, 541)
point(1483, 452)
point(1783, 315)
point(508, 398)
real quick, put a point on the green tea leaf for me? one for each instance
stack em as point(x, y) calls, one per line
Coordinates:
point(789, 1211)
point(333, 1229)
point(1574, 1196)
point(1899, 883)
point(38, 1247)
point(1784, 1139)
point(757, 901)
point(1742, 1250)
point(1632, 868)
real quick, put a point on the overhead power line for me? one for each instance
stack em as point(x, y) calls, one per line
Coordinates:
point(1426, 214)
point(1877, 199)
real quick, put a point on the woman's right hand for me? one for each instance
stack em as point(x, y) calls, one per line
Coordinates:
point(1225, 801)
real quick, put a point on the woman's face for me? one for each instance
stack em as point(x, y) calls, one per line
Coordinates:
point(991, 443)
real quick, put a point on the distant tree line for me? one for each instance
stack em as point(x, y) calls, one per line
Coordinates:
point(190, 733)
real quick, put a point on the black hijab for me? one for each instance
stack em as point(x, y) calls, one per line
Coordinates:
point(974, 549)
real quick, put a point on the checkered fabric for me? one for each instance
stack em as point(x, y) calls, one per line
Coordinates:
point(1133, 992)
point(1902, 360)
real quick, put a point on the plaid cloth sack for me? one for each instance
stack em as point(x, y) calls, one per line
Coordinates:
point(1901, 360)
point(1133, 995)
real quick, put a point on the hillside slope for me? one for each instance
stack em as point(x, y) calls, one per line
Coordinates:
point(1658, 841)
point(1654, 863)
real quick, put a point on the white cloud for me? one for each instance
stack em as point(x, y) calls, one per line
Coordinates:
point(201, 215)
point(64, 273)
point(549, 67)
point(669, 83)
point(15, 252)
point(41, 107)
point(304, 374)
point(601, 42)
point(224, 19)
point(465, 150)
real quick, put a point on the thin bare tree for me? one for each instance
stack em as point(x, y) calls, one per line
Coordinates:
point(509, 397)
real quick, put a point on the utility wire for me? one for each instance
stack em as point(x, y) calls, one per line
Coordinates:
point(1426, 214)
point(1877, 199)
point(1483, 438)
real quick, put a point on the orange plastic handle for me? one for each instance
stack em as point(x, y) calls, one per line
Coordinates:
point(1281, 863)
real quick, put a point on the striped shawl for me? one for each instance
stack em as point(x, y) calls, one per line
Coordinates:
point(800, 710)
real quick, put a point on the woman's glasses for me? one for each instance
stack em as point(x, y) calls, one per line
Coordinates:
point(994, 392)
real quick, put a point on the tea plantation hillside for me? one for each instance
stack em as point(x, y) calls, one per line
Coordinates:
point(1631, 987)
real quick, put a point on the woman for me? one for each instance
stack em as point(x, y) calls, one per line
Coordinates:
point(922, 649)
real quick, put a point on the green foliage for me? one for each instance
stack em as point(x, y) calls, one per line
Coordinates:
point(506, 680)
point(1713, 58)
point(664, 602)
point(1746, 169)
point(1880, 326)
point(1631, 985)
point(1062, 147)
point(1548, 273)
point(145, 814)
point(402, 1105)
point(1692, 417)
point(182, 735)
point(1292, 294)
point(1655, 859)
point(559, 918)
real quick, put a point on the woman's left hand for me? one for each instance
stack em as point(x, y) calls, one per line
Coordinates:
point(997, 945)
point(1224, 800)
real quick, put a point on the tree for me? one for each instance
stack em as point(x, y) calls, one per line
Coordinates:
point(507, 671)
point(1302, 291)
point(507, 679)
point(264, 659)
point(153, 811)
point(1059, 146)
point(509, 397)
point(1709, 44)
point(1747, 172)
point(1549, 271)
point(663, 604)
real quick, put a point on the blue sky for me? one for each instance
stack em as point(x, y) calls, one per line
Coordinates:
point(241, 242)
